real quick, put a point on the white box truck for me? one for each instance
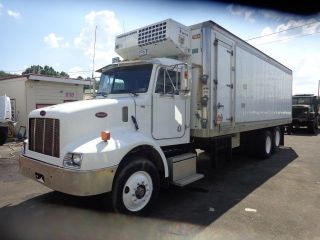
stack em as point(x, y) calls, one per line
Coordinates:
point(178, 89)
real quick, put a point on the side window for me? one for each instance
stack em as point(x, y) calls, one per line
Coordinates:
point(118, 85)
point(168, 82)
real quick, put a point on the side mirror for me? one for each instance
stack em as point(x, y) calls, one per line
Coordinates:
point(185, 80)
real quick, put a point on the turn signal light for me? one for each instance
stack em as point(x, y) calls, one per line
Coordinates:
point(105, 136)
point(186, 75)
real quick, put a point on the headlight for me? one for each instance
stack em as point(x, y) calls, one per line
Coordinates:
point(72, 160)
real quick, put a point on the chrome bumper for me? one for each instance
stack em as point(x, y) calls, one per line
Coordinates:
point(74, 182)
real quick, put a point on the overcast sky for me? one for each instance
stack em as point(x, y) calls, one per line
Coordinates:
point(60, 33)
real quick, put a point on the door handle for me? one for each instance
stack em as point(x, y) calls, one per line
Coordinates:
point(179, 128)
point(219, 105)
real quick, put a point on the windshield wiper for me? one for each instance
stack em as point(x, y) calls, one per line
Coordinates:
point(103, 94)
point(133, 93)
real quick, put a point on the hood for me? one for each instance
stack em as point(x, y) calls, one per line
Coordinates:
point(77, 106)
point(79, 120)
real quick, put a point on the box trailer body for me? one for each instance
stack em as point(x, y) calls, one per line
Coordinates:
point(178, 88)
point(246, 89)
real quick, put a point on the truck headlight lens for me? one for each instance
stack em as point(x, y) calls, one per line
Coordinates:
point(77, 158)
point(72, 160)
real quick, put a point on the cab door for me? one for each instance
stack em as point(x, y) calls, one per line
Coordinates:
point(169, 108)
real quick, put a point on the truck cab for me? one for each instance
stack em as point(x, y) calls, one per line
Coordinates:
point(141, 108)
point(158, 95)
point(305, 111)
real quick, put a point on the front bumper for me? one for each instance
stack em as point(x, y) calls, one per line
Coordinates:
point(74, 182)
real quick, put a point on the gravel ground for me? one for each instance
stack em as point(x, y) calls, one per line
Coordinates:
point(277, 198)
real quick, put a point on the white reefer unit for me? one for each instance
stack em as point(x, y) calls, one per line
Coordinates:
point(167, 38)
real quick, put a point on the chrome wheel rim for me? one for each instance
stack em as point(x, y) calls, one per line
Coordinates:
point(277, 139)
point(268, 144)
point(137, 191)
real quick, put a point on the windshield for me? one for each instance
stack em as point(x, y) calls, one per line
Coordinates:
point(301, 100)
point(128, 79)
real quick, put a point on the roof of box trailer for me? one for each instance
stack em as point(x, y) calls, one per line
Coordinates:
point(38, 77)
point(212, 23)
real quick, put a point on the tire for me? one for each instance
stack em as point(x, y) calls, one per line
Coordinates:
point(136, 187)
point(264, 144)
point(276, 136)
point(3, 135)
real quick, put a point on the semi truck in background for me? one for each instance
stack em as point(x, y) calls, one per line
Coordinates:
point(178, 88)
point(305, 112)
point(5, 118)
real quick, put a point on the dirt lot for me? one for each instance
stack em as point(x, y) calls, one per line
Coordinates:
point(278, 198)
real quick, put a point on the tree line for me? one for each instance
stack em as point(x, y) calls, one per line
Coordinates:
point(38, 69)
point(46, 70)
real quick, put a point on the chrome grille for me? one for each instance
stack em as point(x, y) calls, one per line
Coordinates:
point(44, 136)
point(299, 112)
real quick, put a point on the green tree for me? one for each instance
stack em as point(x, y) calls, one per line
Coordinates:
point(46, 70)
point(64, 74)
point(5, 74)
point(36, 69)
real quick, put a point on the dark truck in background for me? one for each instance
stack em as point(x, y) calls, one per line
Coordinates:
point(305, 112)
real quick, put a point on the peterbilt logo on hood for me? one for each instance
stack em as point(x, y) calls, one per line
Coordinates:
point(101, 114)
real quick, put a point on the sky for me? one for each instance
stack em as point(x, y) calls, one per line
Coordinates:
point(61, 33)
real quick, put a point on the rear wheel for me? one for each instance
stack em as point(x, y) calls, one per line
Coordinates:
point(276, 134)
point(136, 187)
point(264, 144)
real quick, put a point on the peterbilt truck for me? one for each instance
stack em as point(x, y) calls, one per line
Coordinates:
point(305, 112)
point(177, 89)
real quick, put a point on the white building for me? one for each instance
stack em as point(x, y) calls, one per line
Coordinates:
point(31, 91)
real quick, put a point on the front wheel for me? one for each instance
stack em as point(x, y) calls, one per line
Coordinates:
point(136, 187)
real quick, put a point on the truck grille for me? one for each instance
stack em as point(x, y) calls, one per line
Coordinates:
point(299, 112)
point(44, 136)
